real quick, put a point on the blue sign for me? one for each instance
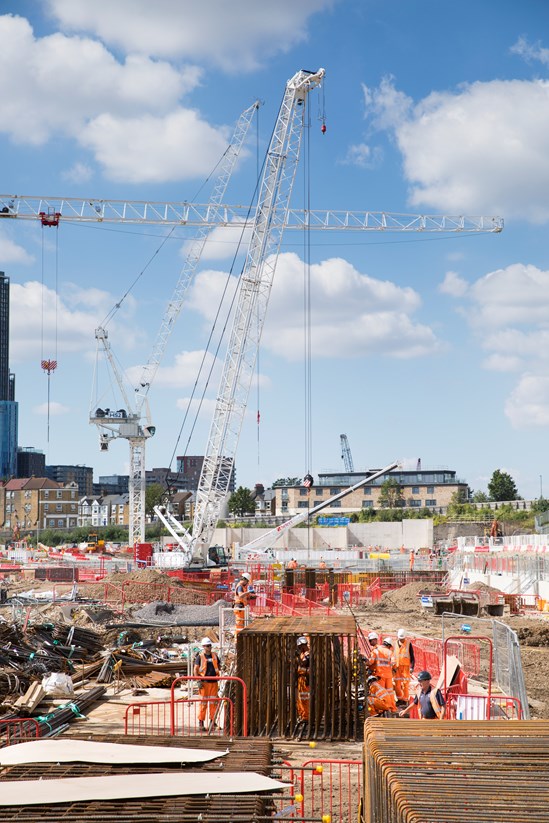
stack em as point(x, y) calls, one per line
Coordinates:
point(334, 521)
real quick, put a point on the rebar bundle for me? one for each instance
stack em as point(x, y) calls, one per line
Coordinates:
point(456, 771)
point(266, 661)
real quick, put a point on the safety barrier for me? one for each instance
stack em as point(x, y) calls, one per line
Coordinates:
point(322, 789)
point(243, 720)
point(155, 717)
point(482, 707)
point(18, 731)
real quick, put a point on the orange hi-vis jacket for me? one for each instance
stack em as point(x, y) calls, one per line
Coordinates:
point(437, 708)
point(241, 594)
point(380, 699)
point(381, 660)
point(204, 664)
point(402, 653)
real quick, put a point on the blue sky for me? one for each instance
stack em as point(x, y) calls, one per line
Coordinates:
point(422, 346)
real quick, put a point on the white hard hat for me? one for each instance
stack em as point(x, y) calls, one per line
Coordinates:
point(373, 636)
point(301, 641)
point(387, 641)
point(401, 634)
point(205, 641)
point(247, 576)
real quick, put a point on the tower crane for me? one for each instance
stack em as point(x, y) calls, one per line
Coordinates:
point(129, 423)
point(271, 218)
point(346, 453)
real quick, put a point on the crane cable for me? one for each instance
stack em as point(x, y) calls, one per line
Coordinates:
point(49, 365)
point(307, 337)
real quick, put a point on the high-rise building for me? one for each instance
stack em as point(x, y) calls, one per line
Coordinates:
point(189, 469)
point(81, 475)
point(8, 407)
point(31, 462)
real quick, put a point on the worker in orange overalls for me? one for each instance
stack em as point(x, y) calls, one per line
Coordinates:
point(303, 667)
point(381, 663)
point(380, 700)
point(207, 664)
point(412, 559)
point(242, 595)
point(292, 564)
point(404, 666)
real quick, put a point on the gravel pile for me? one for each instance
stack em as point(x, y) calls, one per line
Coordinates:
point(407, 598)
point(169, 614)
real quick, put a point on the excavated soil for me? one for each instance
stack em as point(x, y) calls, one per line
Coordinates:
point(407, 598)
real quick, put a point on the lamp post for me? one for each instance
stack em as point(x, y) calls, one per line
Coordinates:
point(541, 487)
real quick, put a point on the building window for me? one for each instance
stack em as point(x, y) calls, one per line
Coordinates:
point(73, 495)
point(46, 493)
point(8, 507)
point(302, 504)
point(415, 504)
point(46, 506)
point(59, 507)
point(73, 507)
point(303, 492)
point(367, 504)
point(58, 494)
point(334, 491)
point(60, 523)
point(430, 502)
point(367, 490)
point(27, 494)
point(27, 507)
point(336, 504)
point(51, 523)
point(415, 489)
point(430, 489)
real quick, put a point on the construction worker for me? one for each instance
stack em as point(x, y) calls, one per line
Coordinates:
point(303, 666)
point(207, 664)
point(381, 663)
point(322, 564)
point(429, 701)
point(412, 559)
point(292, 564)
point(380, 700)
point(404, 666)
point(243, 594)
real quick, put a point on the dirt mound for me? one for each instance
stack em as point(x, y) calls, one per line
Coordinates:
point(141, 576)
point(533, 635)
point(407, 598)
point(477, 586)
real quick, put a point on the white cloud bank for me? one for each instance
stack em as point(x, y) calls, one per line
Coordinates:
point(479, 150)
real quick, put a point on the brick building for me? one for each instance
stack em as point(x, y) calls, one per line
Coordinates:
point(38, 503)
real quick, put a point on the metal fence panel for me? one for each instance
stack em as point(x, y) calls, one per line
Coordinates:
point(508, 664)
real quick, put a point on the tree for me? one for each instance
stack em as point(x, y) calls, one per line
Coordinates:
point(502, 487)
point(154, 495)
point(479, 497)
point(286, 481)
point(390, 495)
point(241, 502)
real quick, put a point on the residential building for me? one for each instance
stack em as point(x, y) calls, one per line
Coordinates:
point(110, 510)
point(30, 462)
point(118, 506)
point(81, 475)
point(38, 503)
point(189, 468)
point(421, 489)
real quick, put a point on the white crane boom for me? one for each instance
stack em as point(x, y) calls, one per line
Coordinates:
point(131, 427)
point(346, 453)
point(253, 297)
point(54, 210)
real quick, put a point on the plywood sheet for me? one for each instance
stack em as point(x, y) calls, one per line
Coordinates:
point(65, 750)
point(119, 787)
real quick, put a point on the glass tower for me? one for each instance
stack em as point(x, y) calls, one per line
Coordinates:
point(8, 406)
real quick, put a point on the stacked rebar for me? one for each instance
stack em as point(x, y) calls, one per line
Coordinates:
point(266, 661)
point(456, 771)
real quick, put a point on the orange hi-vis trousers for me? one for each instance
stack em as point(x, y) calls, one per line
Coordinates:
point(208, 689)
point(302, 697)
point(402, 682)
point(240, 619)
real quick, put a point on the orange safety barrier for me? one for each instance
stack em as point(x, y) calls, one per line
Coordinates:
point(156, 717)
point(322, 789)
point(222, 678)
point(482, 707)
point(18, 731)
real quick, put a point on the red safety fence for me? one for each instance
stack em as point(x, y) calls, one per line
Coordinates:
point(222, 679)
point(289, 605)
point(323, 789)
point(155, 717)
point(482, 707)
point(18, 731)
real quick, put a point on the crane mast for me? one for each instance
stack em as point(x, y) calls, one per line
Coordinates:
point(131, 427)
point(254, 292)
point(346, 453)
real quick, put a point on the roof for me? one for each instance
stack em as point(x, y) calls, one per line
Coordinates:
point(26, 483)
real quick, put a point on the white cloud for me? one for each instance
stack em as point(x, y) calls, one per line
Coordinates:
point(517, 294)
point(183, 372)
point(363, 156)
point(353, 315)
point(528, 404)
point(453, 285)
point(205, 408)
point(78, 173)
point(54, 409)
point(222, 243)
point(236, 35)
point(479, 150)
point(530, 52)
point(43, 322)
point(11, 252)
point(502, 362)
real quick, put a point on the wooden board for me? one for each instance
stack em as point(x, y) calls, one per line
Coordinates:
point(118, 787)
point(65, 750)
